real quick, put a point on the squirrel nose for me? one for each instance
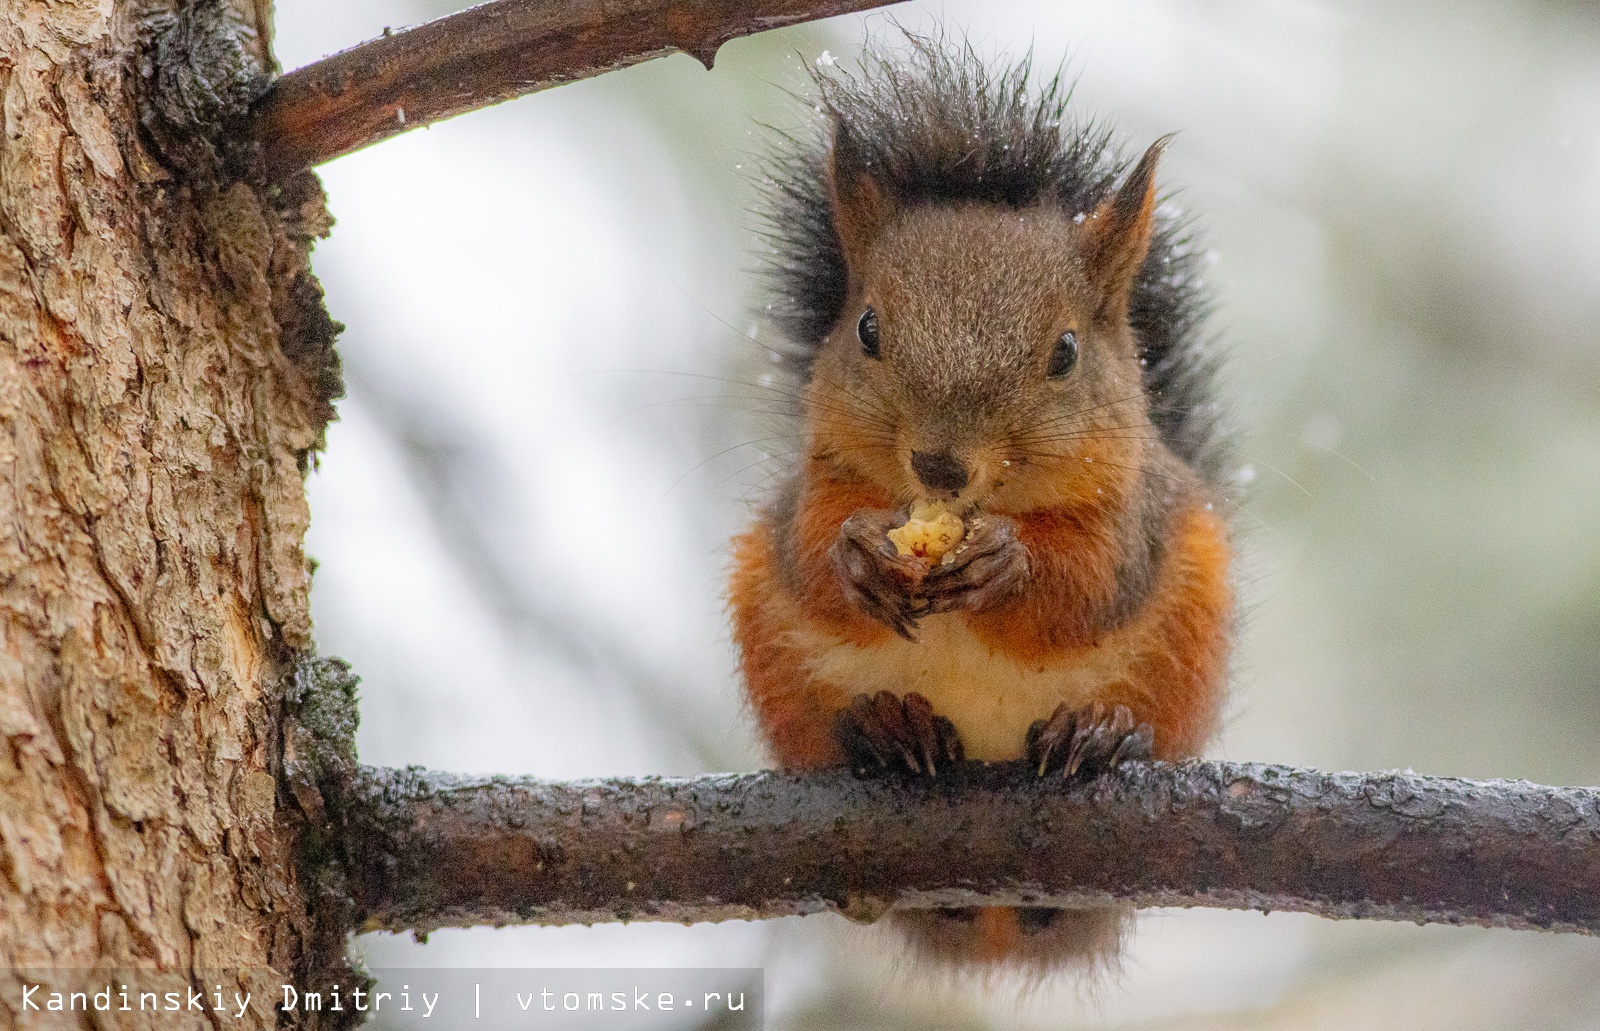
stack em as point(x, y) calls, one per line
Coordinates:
point(940, 471)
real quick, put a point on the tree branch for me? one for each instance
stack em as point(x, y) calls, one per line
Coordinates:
point(429, 850)
point(492, 53)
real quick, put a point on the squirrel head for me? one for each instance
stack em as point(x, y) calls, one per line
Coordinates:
point(983, 355)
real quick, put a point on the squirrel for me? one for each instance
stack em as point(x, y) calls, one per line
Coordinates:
point(984, 307)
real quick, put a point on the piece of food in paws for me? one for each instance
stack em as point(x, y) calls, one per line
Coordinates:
point(931, 532)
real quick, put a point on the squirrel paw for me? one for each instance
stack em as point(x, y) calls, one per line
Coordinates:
point(987, 568)
point(1087, 741)
point(874, 576)
point(883, 732)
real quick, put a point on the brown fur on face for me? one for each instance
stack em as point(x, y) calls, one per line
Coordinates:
point(970, 302)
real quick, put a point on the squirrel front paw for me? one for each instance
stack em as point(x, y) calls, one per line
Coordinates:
point(986, 569)
point(874, 576)
point(1087, 741)
point(883, 733)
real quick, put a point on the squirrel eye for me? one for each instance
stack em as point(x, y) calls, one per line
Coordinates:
point(867, 332)
point(1065, 356)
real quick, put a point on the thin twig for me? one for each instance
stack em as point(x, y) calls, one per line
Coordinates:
point(430, 850)
point(492, 53)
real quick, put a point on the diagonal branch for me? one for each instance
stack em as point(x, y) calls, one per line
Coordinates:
point(492, 53)
point(433, 850)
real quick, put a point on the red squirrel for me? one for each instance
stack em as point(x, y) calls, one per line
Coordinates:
point(985, 309)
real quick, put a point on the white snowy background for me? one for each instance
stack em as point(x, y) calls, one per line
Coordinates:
point(547, 307)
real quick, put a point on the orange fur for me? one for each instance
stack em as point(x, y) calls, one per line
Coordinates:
point(997, 934)
point(795, 713)
point(999, 344)
point(1175, 647)
point(1173, 677)
point(1176, 683)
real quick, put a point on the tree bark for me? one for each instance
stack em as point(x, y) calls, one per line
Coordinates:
point(494, 52)
point(166, 372)
point(430, 850)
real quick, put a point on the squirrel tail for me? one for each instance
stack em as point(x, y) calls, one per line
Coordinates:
point(1033, 940)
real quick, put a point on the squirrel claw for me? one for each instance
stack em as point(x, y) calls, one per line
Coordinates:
point(873, 576)
point(1087, 741)
point(900, 618)
point(985, 571)
point(883, 732)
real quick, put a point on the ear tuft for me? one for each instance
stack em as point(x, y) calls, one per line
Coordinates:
point(1119, 236)
point(861, 206)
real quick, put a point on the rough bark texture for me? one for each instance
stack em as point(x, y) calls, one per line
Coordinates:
point(166, 371)
point(430, 850)
point(491, 53)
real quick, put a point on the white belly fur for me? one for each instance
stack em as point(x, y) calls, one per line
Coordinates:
point(990, 698)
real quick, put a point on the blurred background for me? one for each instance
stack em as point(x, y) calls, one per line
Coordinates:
point(549, 309)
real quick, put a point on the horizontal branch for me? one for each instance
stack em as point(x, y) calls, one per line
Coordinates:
point(434, 850)
point(492, 53)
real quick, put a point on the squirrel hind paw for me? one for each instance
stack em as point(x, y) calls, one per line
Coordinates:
point(883, 733)
point(1087, 742)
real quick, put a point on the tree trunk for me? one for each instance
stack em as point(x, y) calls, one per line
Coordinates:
point(166, 371)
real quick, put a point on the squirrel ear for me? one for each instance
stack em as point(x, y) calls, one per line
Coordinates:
point(861, 208)
point(1119, 235)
